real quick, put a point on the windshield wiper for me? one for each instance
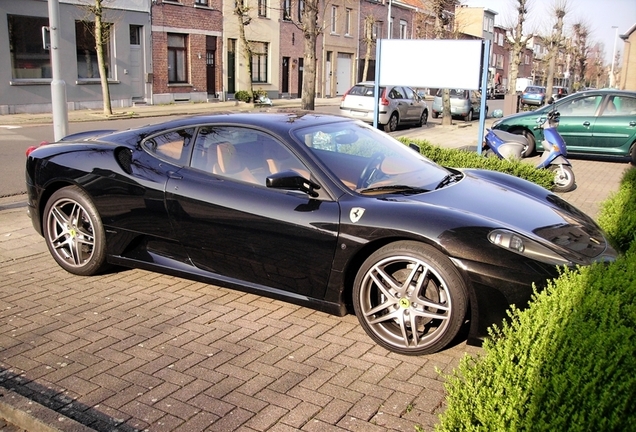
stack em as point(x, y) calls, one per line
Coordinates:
point(450, 178)
point(402, 189)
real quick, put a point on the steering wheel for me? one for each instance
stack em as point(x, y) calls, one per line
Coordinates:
point(370, 170)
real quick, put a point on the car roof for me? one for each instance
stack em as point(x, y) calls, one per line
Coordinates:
point(278, 123)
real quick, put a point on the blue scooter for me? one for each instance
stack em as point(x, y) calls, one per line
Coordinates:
point(511, 146)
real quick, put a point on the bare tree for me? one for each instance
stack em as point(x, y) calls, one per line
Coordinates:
point(578, 50)
point(242, 12)
point(439, 11)
point(517, 41)
point(369, 42)
point(311, 30)
point(556, 41)
point(101, 32)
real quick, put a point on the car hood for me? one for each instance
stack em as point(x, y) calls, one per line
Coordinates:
point(504, 201)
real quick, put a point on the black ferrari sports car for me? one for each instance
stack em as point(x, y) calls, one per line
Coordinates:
point(318, 210)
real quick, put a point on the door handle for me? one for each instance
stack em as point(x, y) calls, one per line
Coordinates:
point(174, 175)
point(586, 124)
point(632, 123)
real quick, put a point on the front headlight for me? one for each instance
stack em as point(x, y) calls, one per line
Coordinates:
point(524, 246)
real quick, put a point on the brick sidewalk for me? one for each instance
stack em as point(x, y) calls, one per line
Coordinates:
point(133, 350)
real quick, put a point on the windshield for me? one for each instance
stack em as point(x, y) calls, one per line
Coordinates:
point(369, 161)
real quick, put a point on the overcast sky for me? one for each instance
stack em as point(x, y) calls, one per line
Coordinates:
point(598, 15)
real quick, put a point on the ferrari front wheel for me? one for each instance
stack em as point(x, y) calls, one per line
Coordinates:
point(74, 232)
point(410, 298)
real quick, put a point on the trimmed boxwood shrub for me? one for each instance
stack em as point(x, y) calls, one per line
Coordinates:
point(243, 96)
point(465, 159)
point(568, 362)
point(617, 215)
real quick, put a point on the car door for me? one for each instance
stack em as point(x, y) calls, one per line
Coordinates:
point(578, 116)
point(402, 104)
point(615, 127)
point(234, 226)
point(415, 106)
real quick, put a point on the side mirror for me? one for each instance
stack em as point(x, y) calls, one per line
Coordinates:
point(415, 147)
point(292, 181)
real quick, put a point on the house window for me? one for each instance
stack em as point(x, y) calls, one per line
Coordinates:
point(177, 72)
point(87, 66)
point(29, 59)
point(200, 2)
point(259, 62)
point(377, 29)
point(262, 8)
point(403, 30)
point(287, 10)
point(348, 22)
point(334, 19)
point(301, 9)
point(135, 35)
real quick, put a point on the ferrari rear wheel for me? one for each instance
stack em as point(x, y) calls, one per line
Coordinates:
point(74, 232)
point(410, 298)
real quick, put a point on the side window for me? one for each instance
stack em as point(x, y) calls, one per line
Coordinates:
point(585, 106)
point(620, 106)
point(174, 145)
point(409, 93)
point(242, 154)
point(396, 93)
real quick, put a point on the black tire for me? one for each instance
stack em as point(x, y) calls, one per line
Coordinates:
point(563, 178)
point(422, 301)
point(423, 118)
point(633, 154)
point(469, 117)
point(74, 233)
point(435, 114)
point(392, 125)
point(528, 151)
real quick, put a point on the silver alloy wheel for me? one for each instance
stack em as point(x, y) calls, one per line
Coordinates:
point(407, 304)
point(563, 178)
point(70, 232)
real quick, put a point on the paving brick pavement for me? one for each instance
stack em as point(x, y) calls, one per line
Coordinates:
point(133, 350)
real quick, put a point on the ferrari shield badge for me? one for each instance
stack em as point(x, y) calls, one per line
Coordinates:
point(355, 214)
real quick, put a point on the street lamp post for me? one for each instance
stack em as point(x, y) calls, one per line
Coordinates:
point(613, 57)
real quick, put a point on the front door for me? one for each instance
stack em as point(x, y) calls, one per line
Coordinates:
point(210, 64)
point(234, 226)
point(136, 62)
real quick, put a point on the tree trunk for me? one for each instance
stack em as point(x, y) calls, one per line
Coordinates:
point(101, 63)
point(241, 13)
point(310, 32)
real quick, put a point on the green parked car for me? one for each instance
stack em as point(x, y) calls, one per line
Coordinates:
point(593, 122)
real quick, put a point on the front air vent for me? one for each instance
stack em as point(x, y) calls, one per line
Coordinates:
point(124, 158)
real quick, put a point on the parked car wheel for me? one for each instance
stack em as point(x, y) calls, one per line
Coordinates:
point(392, 125)
point(469, 117)
point(423, 118)
point(633, 154)
point(529, 150)
point(563, 178)
point(435, 114)
point(410, 298)
point(74, 232)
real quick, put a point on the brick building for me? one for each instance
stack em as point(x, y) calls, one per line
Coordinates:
point(187, 46)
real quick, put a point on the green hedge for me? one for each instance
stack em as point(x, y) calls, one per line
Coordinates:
point(568, 362)
point(465, 159)
point(617, 215)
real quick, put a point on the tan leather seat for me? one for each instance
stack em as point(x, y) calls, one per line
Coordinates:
point(229, 164)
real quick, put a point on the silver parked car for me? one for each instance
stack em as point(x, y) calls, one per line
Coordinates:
point(464, 103)
point(397, 105)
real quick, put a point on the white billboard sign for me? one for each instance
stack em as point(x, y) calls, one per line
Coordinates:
point(445, 63)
